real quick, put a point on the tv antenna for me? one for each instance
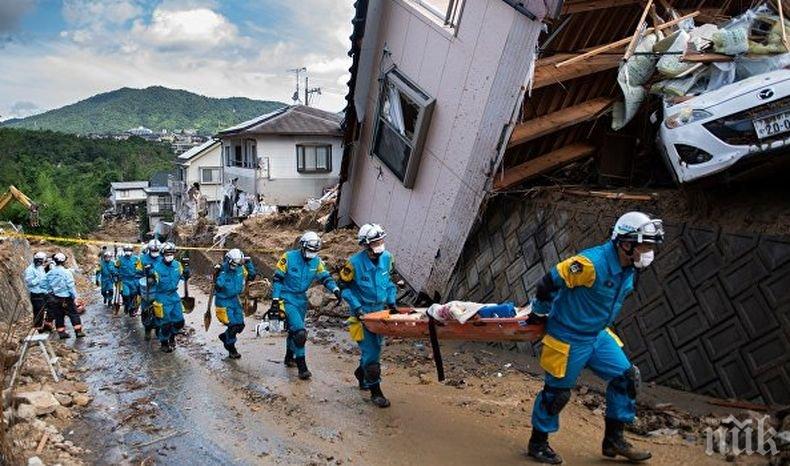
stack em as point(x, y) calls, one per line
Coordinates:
point(297, 71)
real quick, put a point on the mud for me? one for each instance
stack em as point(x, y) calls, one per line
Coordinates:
point(195, 405)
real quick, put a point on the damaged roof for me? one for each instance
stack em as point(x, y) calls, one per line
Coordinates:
point(291, 120)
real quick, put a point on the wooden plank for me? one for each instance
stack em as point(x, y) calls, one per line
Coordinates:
point(706, 58)
point(558, 120)
point(546, 74)
point(641, 26)
point(623, 42)
point(581, 6)
point(543, 164)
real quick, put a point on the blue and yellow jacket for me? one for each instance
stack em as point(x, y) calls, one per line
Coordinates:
point(127, 267)
point(107, 271)
point(367, 286)
point(294, 275)
point(230, 282)
point(587, 292)
point(166, 277)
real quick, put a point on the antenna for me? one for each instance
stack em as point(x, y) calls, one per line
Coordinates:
point(308, 91)
point(297, 71)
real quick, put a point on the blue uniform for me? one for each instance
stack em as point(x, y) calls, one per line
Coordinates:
point(230, 284)
point(146, 295)
point(293, 276)
point(128, 273)
point(586, 295)
point(106, 276)
point(167, 307)
point(34, 279)
point(59, 281)
point(367, 287)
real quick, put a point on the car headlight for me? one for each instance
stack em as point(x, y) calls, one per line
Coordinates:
point(686, 116)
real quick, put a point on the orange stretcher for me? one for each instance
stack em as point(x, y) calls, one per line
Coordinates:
point(413, 325)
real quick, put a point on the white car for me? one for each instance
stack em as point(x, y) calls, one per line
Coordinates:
point(738, 123)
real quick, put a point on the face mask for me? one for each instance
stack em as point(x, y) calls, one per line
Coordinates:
point(378, 249)
point(169, 258)
point(127, 253)
point(645, 259)
point(232, 266)
point(310, 254)
point(154, 253)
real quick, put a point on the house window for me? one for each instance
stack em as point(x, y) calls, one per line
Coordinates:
point(403, 118)
point(226, 150)
point(446, 11)
point(241, 155)
point(314, 158)
point(210, 175)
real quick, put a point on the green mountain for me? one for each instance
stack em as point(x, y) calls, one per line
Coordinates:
point(155, 108)
point(69, 176)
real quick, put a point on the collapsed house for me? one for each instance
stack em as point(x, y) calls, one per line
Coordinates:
point(482, 136)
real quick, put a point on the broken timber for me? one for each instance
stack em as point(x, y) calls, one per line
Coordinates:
point(546, 74)
point(580, 6)
point(569, 116)
point(543, 164)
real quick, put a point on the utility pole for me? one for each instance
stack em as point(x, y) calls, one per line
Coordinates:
point(308, 91)
point(296, 71)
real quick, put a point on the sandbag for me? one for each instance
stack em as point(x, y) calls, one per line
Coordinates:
point(632, 76)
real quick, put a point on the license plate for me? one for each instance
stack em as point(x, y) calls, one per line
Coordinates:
point(772, 125)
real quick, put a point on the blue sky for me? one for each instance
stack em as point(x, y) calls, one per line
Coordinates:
point(55, 52)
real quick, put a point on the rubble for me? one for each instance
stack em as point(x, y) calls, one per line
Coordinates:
point(43, 402)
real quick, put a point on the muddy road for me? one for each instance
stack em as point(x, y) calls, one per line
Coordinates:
point(196, 406)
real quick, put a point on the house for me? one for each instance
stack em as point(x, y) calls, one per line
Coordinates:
point(284, 157)
point(462, 196)
point(127, 197)
point(203, 165)
point(159, 203)
point(434, 90)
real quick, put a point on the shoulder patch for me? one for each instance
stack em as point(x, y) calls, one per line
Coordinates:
point(577, 271)
point(282, 264)
point(576, 267)
point(347, 272)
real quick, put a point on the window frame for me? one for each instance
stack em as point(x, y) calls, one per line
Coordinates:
point(450, 18)
point(300, 168)
point(426, 104)
point(219, 171)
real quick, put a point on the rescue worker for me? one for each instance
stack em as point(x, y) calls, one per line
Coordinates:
point(35, 276)
point(579, 300)
point(295, 273)
point(106, 276)
point(144, 267)
point(167, 308)
point(127, 273)
point(59, 282)
point(368, 287)
point(232, 278)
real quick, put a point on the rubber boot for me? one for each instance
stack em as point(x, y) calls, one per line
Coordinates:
point(540, 450)
point(63, 335)
point(377, 397)
point(614, 443)
point(304, 373)
point(172, 341)
point(79, 333)
point(166, 348)
point(360, 375)
point(232, 353)
point(230, 349)
point(148, 333)
point(289, 358)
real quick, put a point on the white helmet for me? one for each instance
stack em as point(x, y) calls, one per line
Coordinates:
point(107, 254)
point(168, 248)
point(40, 256)
point(310, 241)
point(234, 256)
point(638, 227)
point(154, 245)
point(128, 247)
point(59, 258)
point(370, 232)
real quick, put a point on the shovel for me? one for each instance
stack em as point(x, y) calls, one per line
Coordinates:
point(207, 315)
point(187, 301)
point(117, 301)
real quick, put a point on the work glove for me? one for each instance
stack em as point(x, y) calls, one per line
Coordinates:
point(336, 292)
point(393, 308)
point(535, 319)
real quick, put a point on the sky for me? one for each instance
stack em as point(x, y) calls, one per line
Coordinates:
point(56, 52)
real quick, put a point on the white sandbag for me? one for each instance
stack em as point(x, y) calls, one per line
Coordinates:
point(734, 41)
point(670, 64)
point(632, 76)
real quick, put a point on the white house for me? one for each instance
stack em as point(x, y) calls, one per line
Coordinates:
point(435, 91)
point(159, 206)
point(202, 165)
point(284, 157)
point(127, 196)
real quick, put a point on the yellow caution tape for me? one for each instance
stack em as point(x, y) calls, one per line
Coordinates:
point(63, 239)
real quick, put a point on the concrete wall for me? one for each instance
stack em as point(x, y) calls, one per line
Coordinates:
point(476, 77)
point(712, 315)
point(278, 178)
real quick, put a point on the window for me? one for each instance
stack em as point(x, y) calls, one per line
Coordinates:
point(210, 175)
point(447, 11)
point(316, 158)
point(402, 122)
point(239, 155)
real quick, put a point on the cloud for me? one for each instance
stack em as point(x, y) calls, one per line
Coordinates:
point(22, 109)
point(100, 12)
point(172, 29)
point(11, 11)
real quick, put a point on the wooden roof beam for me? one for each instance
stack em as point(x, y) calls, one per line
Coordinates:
point(546, 74)
point(555, 121)
point(581, 6)
point(543, 164)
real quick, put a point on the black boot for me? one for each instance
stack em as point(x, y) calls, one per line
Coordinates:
point(148, 333)
point(63, 335)
point(377, 397)
point(166, 348)
point(304, 373)
point(540, 450)
point(614, 443)
point(289, 358)
point(229, 348)
point(232, 353)
point(172, 341)
point(360, 375)
point(79, 333)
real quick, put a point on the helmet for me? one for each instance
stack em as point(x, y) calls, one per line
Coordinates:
point(370, 232)
point(234, 256)
point(107, 254)
point(154, 245)
point(310, 241)
point(638, 227)
point(39, 256)
point(128, 247)
point(168, 248)
point(59, 258)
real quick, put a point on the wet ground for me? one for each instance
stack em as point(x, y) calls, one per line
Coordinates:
point(194, 406)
